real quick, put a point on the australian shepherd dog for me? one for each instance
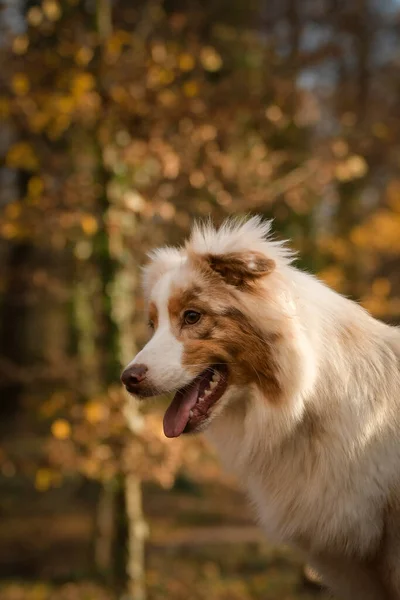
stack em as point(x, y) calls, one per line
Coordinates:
point(296, 386)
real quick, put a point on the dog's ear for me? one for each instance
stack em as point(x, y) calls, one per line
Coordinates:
point(239, 268)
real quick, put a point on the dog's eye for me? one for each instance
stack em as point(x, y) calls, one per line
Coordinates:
point(191, 317)
point(151, 324)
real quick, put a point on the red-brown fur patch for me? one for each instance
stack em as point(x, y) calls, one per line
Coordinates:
point(224, 334)
point(239, 269)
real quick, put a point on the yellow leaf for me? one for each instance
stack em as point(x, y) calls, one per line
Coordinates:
point(65, 104)
point(4, 108)
point(90, 467)
point(83, 249)
point(35, 186)
point(273, 113)
point(20, 44)
point(22, 156)
point(167, 98)
point(8, 231)
point(158, 53)
point(38, 121)
point(359, 236)
point(51, 9)
point(186, 62)
point(210, 59)
point(61, 429)
point(118, 93)
point(197, 179)
point(20, 84)
point(89, 224)
point(13, 210)
point(191, 89)
point(114, 46)
point(42, 479)
point(380, 130)
point(96, 412)
point(34, 16)
point(352, 168)
point(83, 56)
point(165, 76)
point(82, 83)
point(357, 165)
point(59, 125)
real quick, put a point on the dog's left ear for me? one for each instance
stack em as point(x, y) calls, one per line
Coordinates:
point(239, 268)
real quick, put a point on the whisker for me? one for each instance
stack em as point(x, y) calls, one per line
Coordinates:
point(256, 372)
point(210, 364)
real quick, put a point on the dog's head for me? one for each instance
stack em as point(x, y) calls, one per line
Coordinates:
point(215, 310)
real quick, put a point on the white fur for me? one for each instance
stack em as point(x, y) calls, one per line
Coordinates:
point(236, 235)
point(322, 467)
point(163, 353)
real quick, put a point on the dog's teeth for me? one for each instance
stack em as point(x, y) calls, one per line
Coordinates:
point(191, 414)
point(213, 384)
point(207, 393)
point(215, 377)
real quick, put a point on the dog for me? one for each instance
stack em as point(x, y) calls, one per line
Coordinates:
point(297, 387)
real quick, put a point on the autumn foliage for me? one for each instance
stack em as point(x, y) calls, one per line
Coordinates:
point(122, 122)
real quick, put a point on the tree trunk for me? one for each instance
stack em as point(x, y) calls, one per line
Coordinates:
point(104, 18)
point(122, 294)
point(137, 533)
point(118, 274)
point(105, 530)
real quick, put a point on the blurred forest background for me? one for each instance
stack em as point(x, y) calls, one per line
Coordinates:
point(121, 122)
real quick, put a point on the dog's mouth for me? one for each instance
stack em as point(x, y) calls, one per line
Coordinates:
point(192, 405)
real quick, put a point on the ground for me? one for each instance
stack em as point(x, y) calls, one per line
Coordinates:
point(203, 545)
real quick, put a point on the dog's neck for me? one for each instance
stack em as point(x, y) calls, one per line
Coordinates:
point(251, 430)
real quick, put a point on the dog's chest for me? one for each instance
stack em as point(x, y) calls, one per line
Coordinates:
point(314, 502)
point(312, 514)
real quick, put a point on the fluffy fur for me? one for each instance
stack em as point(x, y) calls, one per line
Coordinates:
point(310, 420)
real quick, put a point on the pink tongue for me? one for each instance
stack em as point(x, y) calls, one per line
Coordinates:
point(177, 414)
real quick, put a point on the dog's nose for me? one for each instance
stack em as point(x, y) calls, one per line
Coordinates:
point(134, 375)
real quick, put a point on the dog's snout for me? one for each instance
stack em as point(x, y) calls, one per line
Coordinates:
point(134, 375)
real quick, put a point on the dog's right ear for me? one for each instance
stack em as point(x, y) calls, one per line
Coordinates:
point(239, 269)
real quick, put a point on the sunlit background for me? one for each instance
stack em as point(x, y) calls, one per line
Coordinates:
point(123, 121)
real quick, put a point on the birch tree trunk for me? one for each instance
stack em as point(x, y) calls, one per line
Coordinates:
point(122, 302)
point(119, 280)
point(119, 275)
point(137, 533)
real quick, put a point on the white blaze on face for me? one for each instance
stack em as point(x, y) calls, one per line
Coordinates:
point(162, 355)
